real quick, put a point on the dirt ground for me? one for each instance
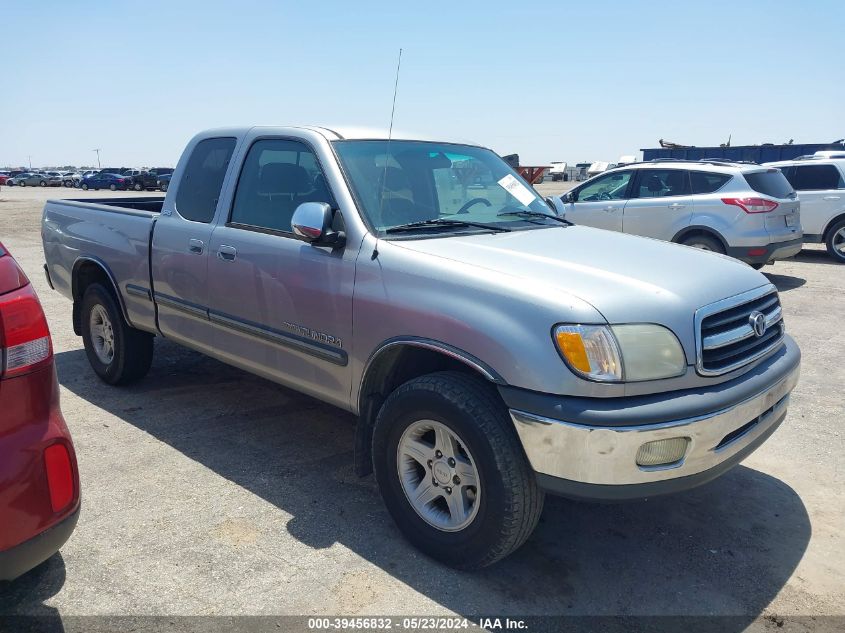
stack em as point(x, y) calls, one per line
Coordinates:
point(209, 491)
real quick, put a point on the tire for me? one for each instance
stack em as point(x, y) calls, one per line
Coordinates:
point(43, 183)
point(138, 186)
point(128, 356)
point(84, 186)
point(22, 183)
point(505, 505)
point(835, 241)
point(705, 243)
point(757, 266)
point(112, 187)
point(163, 186)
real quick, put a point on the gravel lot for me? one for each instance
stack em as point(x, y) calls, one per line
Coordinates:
point(209, 491)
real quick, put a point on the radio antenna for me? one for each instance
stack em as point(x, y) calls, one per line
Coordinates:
point(389, 136)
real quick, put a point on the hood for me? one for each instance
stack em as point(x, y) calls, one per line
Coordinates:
point(628, 279)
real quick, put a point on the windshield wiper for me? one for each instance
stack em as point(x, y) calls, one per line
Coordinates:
point(422, 224)
point(537, 214)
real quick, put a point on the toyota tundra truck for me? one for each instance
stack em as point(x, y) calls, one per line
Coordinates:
point(491, 351)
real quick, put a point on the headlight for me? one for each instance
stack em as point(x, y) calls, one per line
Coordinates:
point(620, 353)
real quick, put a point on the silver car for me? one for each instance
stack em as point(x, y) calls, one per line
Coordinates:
point(743, 210)
point(30, 179)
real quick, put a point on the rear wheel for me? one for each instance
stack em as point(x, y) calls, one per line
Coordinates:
point(43, 183)
point(757, 266)
point(22, 183)
point(705, 243)
point(84, 186)
point(118, 353)
point(452, 472)
point(163, 186)
point(112, 187)
point(835, 241)
point(138, 186)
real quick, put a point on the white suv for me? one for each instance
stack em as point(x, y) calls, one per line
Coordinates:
point(820, 183)
point(743, 210)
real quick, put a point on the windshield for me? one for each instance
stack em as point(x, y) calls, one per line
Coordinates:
point(418, 182)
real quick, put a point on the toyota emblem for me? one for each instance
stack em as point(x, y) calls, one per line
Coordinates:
point(757, 320)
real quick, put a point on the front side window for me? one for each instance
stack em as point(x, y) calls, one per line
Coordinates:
point(199, 188)
point(611, 186)
point(816, 178)
point(277, 176)
point(662, 183)
point(402, 182)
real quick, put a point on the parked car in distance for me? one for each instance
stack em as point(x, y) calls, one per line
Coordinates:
point(54, 178)
point(163, 181)
point(99, 181)
point(746, 211)
point(4, 176)
point(148, 180)
point(820, 183)
point(39, 495)
point(71, 179)
point(29, 179)
point(491, 350)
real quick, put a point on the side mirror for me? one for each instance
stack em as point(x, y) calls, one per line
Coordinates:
point(312, 223)
point(569, 197)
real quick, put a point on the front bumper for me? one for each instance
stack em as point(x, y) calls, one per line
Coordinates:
point(21, 558)
point(592, 452)
point(773, 251)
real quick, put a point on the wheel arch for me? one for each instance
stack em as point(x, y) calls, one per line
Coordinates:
point(395, 362)
point(829, 227)
point(86, 271)
point(698, 229)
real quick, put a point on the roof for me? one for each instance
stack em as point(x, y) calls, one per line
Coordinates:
point(716, 165)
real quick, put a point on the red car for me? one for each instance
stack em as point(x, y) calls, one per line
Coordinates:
point(39, 479)
point(4, 177)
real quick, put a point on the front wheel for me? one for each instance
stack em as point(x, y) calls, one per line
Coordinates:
point(112, 187)
point(118, 353)
point(163, 186)
point(43, 183)
point(835, 241)
point(84, 186)
point(452, 472)
point(138, 186)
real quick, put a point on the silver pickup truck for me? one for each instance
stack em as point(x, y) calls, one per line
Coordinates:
point(491, 351)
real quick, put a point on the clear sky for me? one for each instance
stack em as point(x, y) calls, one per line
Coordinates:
point(568, 81)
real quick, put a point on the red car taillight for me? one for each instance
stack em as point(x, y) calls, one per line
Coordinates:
point(752, 205)
point(60, 478)
point(24, 336)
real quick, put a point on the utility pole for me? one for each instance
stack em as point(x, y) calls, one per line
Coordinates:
point(30, 162)
point(98, 157)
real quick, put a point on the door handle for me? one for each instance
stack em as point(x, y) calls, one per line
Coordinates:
point(196, 246)
point(609, 208)
point(227, 253)
point(675, 205)
point(831, 198)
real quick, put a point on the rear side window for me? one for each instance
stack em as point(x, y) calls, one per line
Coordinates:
point(662, 183)
point(770, 183)
point(707, 182)
point(816, 177)
point(202, 179)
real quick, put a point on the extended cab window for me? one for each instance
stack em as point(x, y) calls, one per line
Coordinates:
point(608, 187)
point(707, 182)
point(816, 178)
point(202, 179)
point(662, 183)
point(277, 176)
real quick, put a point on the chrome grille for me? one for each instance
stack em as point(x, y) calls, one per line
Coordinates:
point(726, 336)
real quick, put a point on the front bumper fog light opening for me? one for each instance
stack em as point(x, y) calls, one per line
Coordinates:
point(662, 452)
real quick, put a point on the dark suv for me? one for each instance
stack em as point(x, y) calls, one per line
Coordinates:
point(148, 180)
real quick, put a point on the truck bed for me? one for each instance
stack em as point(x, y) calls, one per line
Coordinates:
point(114, 234)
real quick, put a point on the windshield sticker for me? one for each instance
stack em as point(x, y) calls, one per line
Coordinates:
point(517, 189)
